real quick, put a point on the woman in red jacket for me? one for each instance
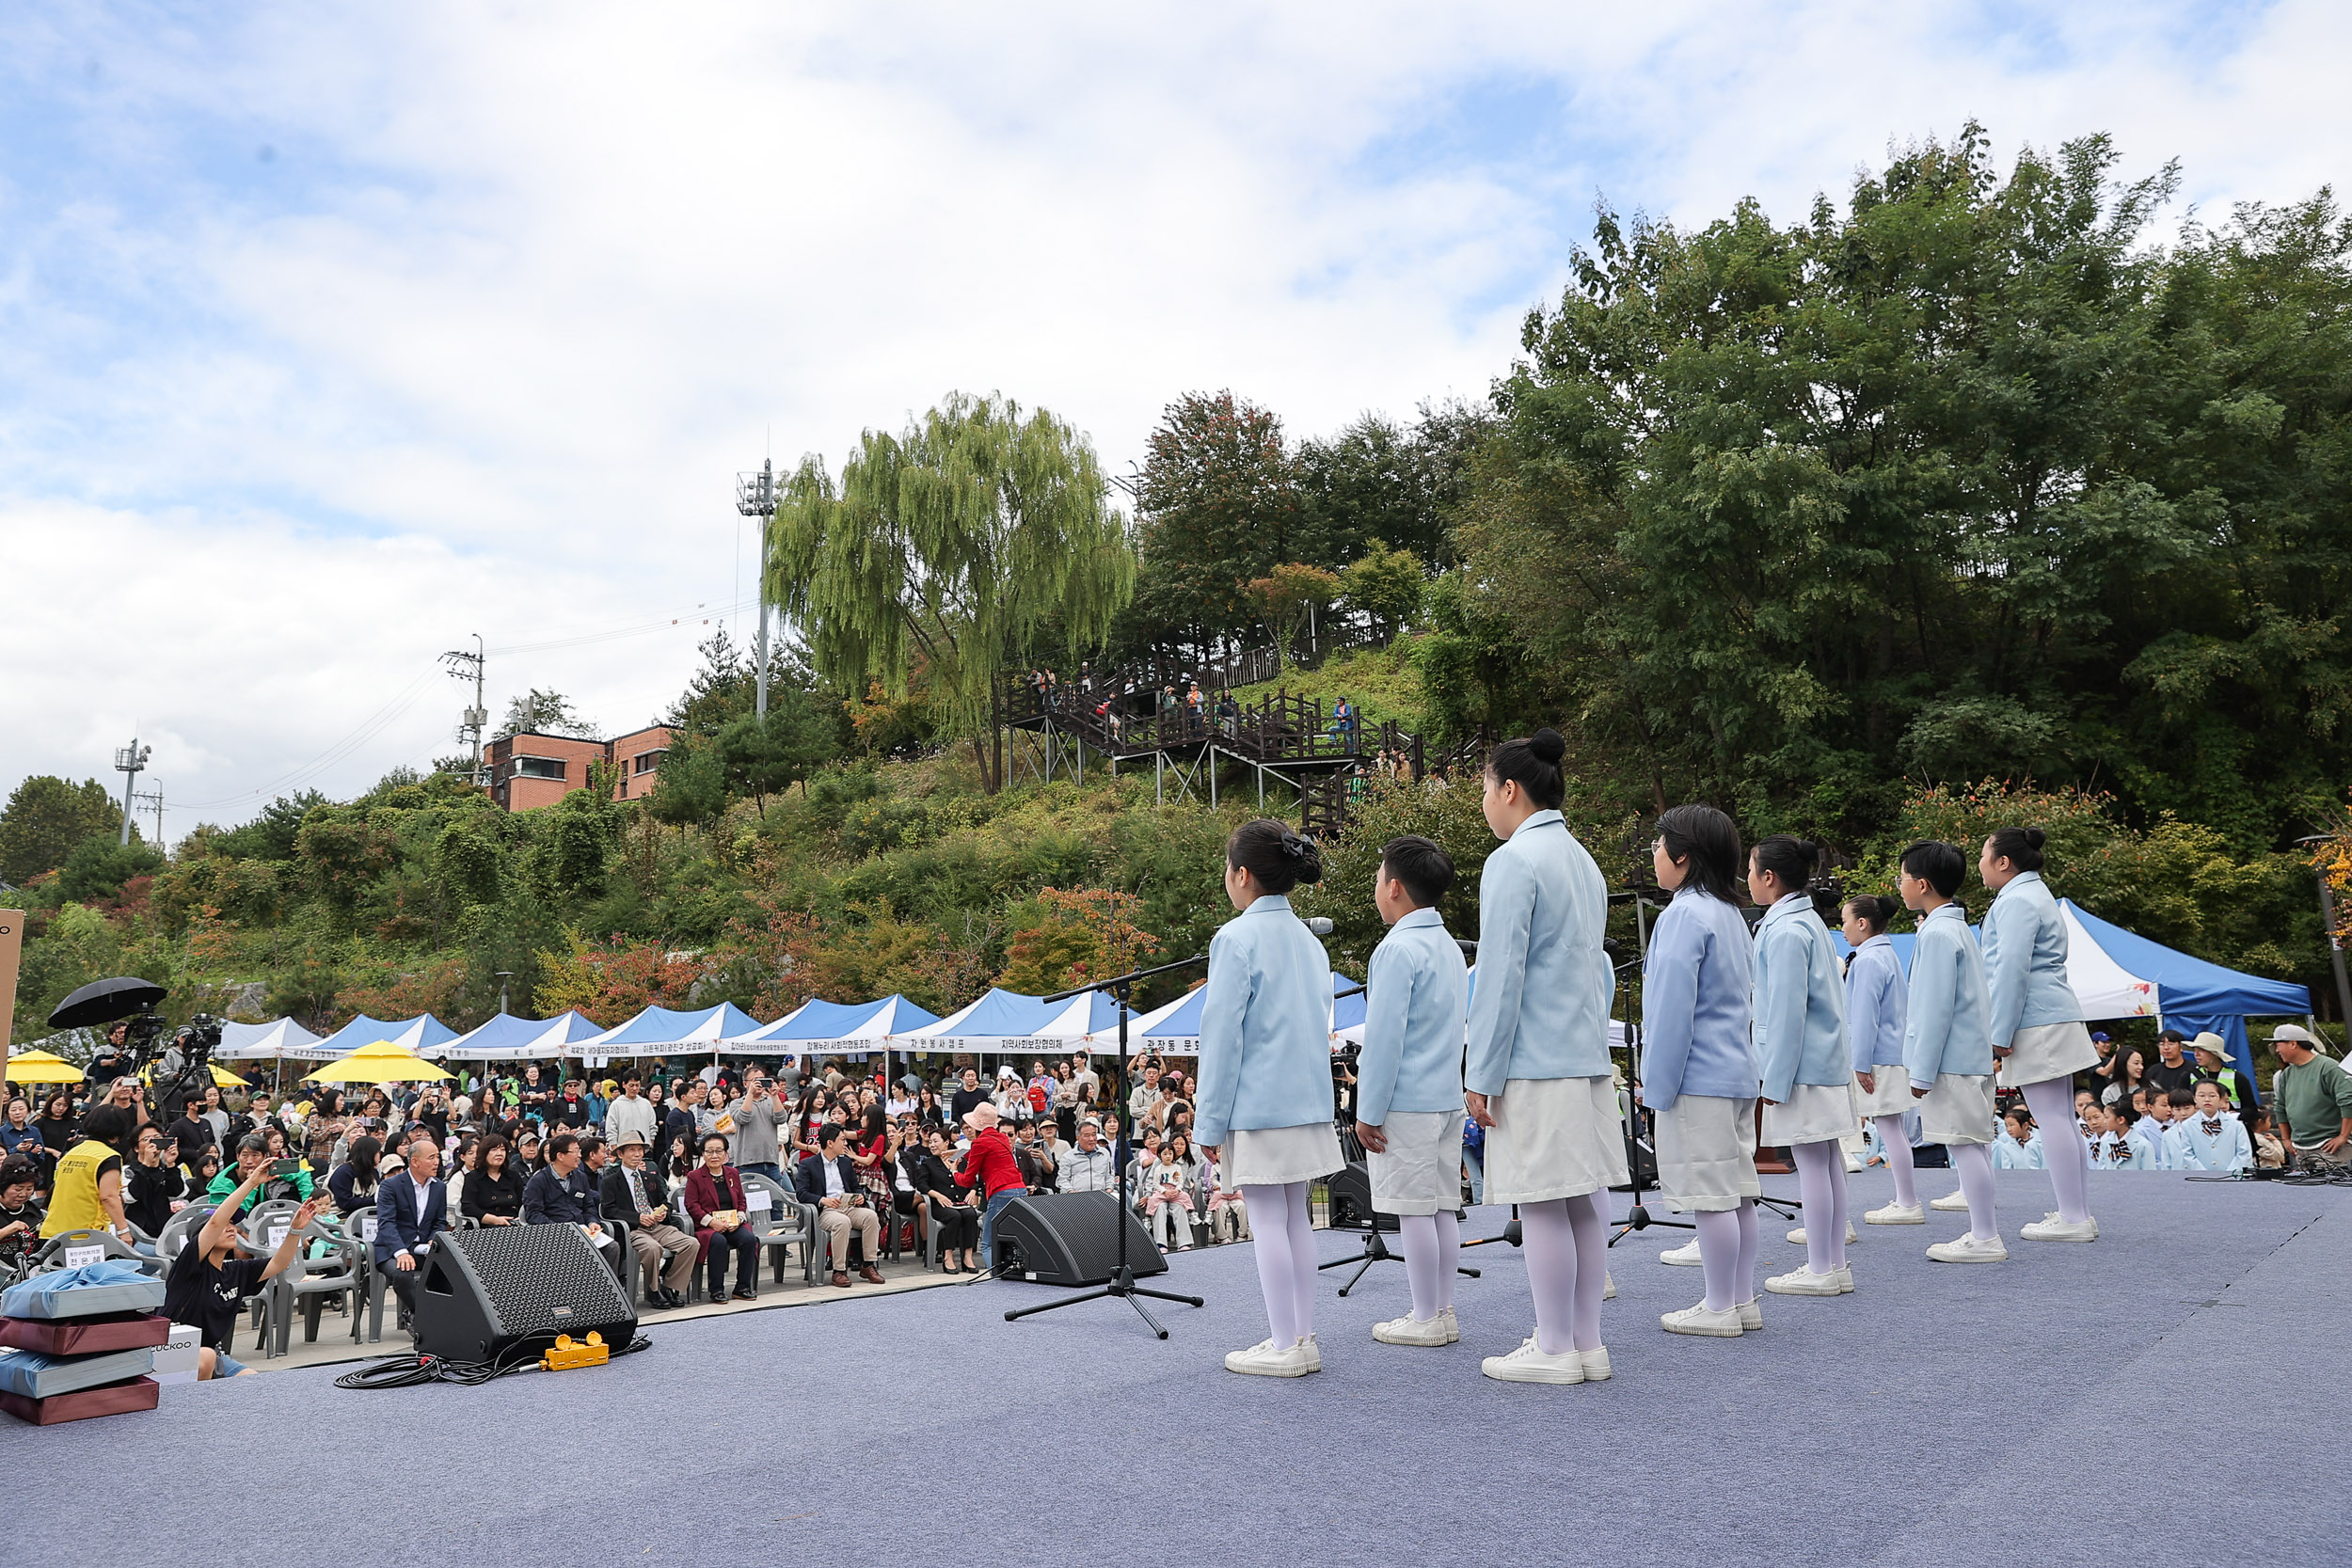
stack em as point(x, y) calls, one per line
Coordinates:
point(714, 1201)
point(989, 1165)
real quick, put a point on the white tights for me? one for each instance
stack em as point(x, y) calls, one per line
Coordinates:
point(1897, 1148)
point(1975, 1164)
point(1286, 1258)
point(1432, 1243)
point(1566, 1244)
point(1822, 1184)
point(2052, 1103)
point(1727, 1251)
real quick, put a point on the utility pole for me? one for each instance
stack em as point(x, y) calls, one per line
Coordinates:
point(154, 797)
point(129, 761)
point(756, 497)
point(469, 666)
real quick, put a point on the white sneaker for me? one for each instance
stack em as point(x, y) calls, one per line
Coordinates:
point(1951, 1203)
point(1596, 1363)
point(1895, 1213)
point(1967, 1249)
point(1453, 1326)
point(1609, 1286)
point(1796, 1237)
point(1409, 1330)
point(1853, 1163)
point(1804, 1282)
point(1688, 1253)
point(1697, 1320)
point(1263, 1360)
point(1314, 1354)
point(2052, 1228)
point(1529, 1365)
point(1751, 1315)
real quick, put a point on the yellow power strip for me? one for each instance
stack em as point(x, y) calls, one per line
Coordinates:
point(595, 1353)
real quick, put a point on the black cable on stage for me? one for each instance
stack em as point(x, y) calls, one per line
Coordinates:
point(408, 1371)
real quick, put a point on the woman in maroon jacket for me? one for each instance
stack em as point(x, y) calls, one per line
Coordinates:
point(714, 1201)
point(989, 1165)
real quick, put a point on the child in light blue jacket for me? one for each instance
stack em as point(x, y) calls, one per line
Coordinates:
point(1265, 1099)
point(1947, 1051)
point(1803, 1058)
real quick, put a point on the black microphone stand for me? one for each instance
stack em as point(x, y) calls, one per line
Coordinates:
point(1122, 1286)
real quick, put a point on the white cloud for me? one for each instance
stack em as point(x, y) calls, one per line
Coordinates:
point(483, 343)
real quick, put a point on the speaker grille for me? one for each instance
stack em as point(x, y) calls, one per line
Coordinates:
point(542, 1279)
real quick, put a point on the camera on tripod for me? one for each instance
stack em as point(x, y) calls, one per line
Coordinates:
point(130, 1001)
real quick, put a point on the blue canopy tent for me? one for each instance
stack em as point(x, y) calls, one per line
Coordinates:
point(1000, 1021)
point(851, 1028)
point(659, 1029)
point(1176, 1025)
point(508, 1038)
point(419, 1033)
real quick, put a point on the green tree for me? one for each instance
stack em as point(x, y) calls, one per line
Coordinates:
point(957, 546)
point(1219, 507)
point(1385, 584)
point(1284, 597)
point(46, 819)
point(691, 789)
point(538, 712)
point(271, 834)
point(100, 865)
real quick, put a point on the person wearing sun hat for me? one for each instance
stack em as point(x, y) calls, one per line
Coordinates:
point(2211, 1053)
point(990, 1165)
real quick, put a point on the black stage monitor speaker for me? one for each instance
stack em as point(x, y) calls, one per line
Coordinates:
point(1070, 1239)
point(506, 1291)
point(1350, 1187)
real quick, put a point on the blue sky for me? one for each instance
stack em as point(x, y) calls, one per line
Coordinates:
point(330, 334)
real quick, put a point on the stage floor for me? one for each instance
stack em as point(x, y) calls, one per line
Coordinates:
point(2076, 1405)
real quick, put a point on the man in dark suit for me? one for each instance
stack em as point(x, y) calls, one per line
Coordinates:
point(635, 1199)
point(830, 1182)
point(559, 1193)
point(411, 1205)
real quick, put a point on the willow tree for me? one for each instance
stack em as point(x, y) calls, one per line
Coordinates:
point(956, 550)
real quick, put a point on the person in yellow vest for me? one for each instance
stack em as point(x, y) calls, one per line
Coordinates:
point(88, 1193)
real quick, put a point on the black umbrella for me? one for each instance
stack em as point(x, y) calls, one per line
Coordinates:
point(104, 1001)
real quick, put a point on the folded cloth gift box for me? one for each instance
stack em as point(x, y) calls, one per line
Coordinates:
point(114, 1285)
point(35, 1376)
point(86, 1336)
point(138, 1393)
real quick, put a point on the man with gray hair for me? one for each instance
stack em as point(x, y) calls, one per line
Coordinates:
point(1085, 1165)
point(2311, 1097)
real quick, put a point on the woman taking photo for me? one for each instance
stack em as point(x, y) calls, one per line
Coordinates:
point(1265, 1079)
point(1803, 1057)
point(1536, 1076)
point(1875, 998)
point(1699, 1071)
point(2037, 1027)
point(494, 1190)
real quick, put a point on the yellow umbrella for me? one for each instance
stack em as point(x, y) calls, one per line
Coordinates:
point(380, 1063)
point(221, 1076)
point(40, 1066)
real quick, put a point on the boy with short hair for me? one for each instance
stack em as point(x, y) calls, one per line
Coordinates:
point(1408, 1093)
point(2153, 1120)
point(2209, 1138)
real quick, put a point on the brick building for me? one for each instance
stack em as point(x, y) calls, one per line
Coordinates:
point(529, 770)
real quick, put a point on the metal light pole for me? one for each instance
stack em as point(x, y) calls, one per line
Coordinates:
point(756, 497)
point(129, 761)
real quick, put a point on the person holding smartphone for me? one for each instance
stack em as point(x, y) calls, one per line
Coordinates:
point(214, 1274)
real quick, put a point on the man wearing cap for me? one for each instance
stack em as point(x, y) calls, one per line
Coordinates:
point(633, 1197)
point(2311, 1097)
point(989, 1165)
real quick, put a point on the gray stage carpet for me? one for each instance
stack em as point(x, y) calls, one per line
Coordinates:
point(2093, 1404)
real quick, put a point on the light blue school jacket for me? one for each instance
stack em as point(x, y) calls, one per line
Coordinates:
point(1800, 1001)
point(2230, 1150)
point(1696, 987)
point(1266, 1026)
point(2009, 1154)
point(2128, 1150)
point(2024, 959)
point(1415, 1012)
point(1542, 1008)
point(2159, 1138)
point(1876, 994)
point(1946, 1011)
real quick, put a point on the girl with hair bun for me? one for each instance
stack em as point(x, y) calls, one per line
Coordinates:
point(1265, 1108)
point(1803, 1057)
point(2037, 1022)
point(1537, 1075)
point(1698, 1062)
point(1876, 995)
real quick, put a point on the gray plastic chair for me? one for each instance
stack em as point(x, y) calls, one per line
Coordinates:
point(786, 1223)
point(52, 1252)
point(310, 1280)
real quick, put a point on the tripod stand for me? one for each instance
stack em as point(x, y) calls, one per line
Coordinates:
point(1122, 1286)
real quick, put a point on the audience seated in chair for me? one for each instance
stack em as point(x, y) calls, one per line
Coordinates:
point(636, 1197)
point(828, 1179)
point(715, 1202)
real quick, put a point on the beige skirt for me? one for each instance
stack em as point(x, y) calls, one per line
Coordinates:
point(1276, 1156)
point(1812, 1113)
point(1707, 1152)
point(1959, 1110)
point(1422, 1172)
point(1891, 1095)
point(1553, 1137)
point(2047, 1050)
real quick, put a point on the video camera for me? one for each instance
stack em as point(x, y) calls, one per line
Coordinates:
point(130, 1001)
